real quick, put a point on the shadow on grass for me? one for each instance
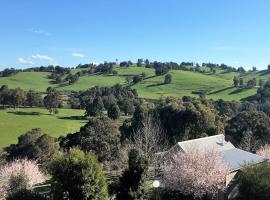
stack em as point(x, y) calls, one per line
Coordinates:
point(72, 118)
point(25, 113)
point(239, 90)
point(156, 84)
point(221, 90)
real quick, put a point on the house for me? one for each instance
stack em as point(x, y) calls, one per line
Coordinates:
point(236, 158)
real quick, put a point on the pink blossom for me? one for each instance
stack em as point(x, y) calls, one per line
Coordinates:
point(264, 151)
point(196, 172)
point(29, 169)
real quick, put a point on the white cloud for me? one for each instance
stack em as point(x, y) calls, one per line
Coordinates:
point(39, 31)
point(78, 55)
point(41, 57)
point(24, 61)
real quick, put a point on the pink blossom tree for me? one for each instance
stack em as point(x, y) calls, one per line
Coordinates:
point(196, 172)
point(23, 167)
point(264, 151)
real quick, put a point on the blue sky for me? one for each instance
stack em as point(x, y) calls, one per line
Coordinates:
point(69, 32)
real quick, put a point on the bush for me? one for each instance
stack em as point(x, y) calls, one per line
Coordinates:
point(132, 182)
point(254, 182)
point(25, 194)
point(77, 175)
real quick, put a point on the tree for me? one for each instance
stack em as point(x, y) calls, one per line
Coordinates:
point(264, 151)
point(149, 139)
point(137, 79)
point(24, 169)
point(196, 172)
point(132, 182)
point(33, 145)
point(33, 98)
point(140, 62)
point(99, 135)
point(254, 182)
point(114, 112)
point(128, 107)
point(168, 79)
point(236, 81)
point(17, 97)
point(52, 100)
point(249, 126)
point(241, 82)
point(95, 108)
point(77, 175)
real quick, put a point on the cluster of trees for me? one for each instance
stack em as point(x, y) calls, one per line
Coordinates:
point(9, 72)
point(113, 99)
point(18, 97)
point(239, 82)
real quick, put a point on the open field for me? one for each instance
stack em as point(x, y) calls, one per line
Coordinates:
point(16, 122)
point(184, 83)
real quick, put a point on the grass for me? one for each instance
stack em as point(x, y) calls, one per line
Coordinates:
point(28, 80)
point(185, 83)
point(16, 122)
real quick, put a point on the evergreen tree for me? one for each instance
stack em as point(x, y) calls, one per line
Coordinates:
point(114, 112)
point(132, 182)
point(77, 175)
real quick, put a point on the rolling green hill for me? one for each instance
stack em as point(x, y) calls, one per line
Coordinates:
point(184, 83)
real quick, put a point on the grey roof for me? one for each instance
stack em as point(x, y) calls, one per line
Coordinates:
point(216, 141)
point(237, 158)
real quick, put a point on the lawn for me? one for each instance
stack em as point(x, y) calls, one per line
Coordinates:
point(16, 122)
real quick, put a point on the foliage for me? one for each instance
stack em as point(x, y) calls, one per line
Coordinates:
point(33, 145)
point(132, 182)
point(33, 99)
point(26, 168)
point(254, 182)
point(25, 194)
point(99, 135)
point(95, 108)
point(264, 151)
point(52, 100)
point(197, 172)
point(149, 139)
point(247, 126)
point(114, 112)
point(168, 79)
point(77, 175)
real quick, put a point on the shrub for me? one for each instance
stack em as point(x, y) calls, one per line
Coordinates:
point(25, 194)
point(77, 175)
point(254, 182)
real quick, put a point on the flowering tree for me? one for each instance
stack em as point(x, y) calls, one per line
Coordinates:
point(196, 172)
point(19, 168)
point(264, 151)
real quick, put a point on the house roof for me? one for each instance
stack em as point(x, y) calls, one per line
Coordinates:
point(237, 158)
point(216, 141)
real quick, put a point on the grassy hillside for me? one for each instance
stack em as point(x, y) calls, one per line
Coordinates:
point(185, 83)
point(27, 80)
point(16, 122)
